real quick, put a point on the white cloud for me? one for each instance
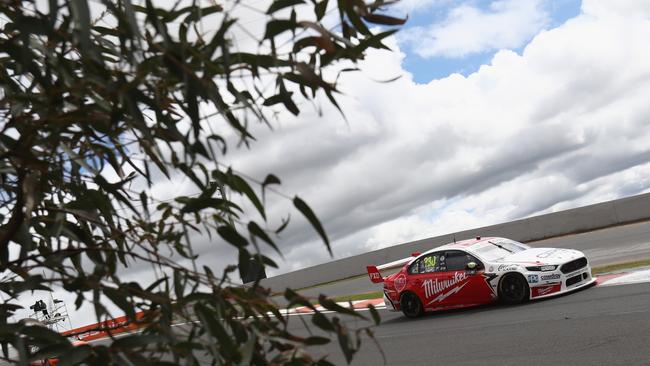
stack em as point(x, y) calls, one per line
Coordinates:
point(618, 8)
point(469, 29)
point(566, 123)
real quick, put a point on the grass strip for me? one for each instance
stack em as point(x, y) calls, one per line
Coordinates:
point(620, 266)
point(332, 282)
point(363, 296)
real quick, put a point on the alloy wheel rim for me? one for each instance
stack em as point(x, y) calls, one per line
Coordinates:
point(410, 304)
point(513, 288)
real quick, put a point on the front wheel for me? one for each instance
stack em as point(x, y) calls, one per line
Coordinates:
point(513, 289)
point(411, 305)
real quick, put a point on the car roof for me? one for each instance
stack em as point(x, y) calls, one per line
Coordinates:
point(467, 245)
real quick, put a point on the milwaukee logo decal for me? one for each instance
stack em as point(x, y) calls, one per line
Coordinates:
point(544, 290)
point(447, 294)
point(434, 287)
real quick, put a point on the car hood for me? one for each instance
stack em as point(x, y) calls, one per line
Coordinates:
point(543, 256)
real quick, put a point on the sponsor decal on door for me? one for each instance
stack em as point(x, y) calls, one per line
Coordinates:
point(438, 288)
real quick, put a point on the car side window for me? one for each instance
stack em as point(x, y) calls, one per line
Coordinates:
point(434, 262)
point(414, 268)
point(457, 260)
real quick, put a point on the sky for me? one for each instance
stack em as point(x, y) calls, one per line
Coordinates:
point(444, 37)
point(502, 110)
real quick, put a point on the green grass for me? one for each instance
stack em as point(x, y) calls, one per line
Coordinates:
point(322, 284)
point(332, 282)
point(363, 296)
point(620, 266)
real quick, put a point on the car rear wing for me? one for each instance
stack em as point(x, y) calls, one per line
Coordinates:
point(374, 274)
point(374, 271)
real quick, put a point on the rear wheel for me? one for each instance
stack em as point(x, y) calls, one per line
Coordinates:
point(411, 305)
point(513, 289)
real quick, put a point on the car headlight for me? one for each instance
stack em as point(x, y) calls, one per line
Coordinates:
point(541, 268)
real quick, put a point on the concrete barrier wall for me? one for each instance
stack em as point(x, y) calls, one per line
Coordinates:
point(587, 218)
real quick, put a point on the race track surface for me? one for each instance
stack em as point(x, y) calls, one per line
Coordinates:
point(595, 326)
point(600, 325)
point(603, 325)
point(605, 246)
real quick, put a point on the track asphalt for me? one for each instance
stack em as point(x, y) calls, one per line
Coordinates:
point(608, 324)
point(604, 325)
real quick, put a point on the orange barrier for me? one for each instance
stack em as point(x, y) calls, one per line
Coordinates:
point(106, 328)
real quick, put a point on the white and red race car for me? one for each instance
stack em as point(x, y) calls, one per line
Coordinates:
point(480, 271)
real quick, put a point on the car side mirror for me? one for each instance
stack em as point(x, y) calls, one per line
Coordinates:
point(472, 265)
point(415, 254)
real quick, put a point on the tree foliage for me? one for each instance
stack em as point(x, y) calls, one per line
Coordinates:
point(98, 101)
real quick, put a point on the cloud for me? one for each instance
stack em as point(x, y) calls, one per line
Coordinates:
point(468, 29)
point(563, 124)
point(619, 8)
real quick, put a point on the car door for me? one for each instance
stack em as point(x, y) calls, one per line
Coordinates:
point(467, 286)
point(429, 279)
point(418, 273)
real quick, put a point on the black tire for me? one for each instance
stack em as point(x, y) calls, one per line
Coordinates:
point(513, 289)
point(411, 305)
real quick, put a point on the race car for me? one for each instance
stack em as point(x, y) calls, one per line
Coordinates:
point(480, 271)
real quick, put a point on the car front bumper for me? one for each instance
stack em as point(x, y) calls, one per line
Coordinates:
point(547, 284)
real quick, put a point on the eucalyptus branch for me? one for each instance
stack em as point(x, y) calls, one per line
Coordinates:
point(126, 92)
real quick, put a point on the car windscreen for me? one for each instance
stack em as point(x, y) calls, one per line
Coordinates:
point(493, 250)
